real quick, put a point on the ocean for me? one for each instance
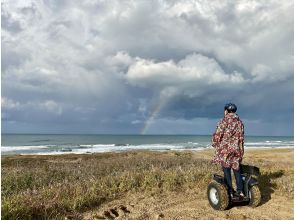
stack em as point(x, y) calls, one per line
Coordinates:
point(49, 144)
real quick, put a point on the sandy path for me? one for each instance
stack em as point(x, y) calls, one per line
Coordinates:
point(188, 206)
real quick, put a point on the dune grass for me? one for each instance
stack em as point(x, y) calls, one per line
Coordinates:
point(52, 187)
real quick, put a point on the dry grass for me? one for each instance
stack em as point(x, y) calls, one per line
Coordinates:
point(51, 187)
point(54, 186)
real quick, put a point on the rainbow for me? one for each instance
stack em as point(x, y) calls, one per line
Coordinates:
point(152, 116)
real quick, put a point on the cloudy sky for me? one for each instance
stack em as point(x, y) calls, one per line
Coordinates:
point(146, 66)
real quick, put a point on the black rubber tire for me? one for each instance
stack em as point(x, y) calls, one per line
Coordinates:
point(220, 194)
point(255, 196)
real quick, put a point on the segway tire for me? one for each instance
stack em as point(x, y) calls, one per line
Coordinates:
point(255, 196)
point(217, 196)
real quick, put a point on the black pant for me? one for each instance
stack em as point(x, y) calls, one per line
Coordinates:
point(228, 179)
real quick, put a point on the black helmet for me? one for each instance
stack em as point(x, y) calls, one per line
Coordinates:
point(230, 107)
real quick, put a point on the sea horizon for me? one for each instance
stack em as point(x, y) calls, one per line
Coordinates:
point(137, 134)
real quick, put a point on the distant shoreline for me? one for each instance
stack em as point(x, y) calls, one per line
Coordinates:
point(143, 150)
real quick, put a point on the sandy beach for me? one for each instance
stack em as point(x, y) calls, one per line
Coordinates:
point(138, 185)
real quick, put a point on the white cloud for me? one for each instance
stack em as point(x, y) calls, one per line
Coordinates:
point(193, 75)
point(103, 58)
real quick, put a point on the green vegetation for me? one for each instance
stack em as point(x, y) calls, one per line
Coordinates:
point(51, 187)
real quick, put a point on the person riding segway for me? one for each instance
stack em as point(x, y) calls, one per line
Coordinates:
point(228, 141)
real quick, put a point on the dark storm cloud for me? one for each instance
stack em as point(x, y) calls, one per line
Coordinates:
point(107, 66)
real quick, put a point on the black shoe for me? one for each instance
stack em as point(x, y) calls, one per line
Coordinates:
point(237, 197)
point(234, 195)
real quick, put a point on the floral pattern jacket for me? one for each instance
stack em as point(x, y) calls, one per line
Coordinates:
point(228, 141)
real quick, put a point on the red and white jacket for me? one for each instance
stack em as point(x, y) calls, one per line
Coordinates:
point(228, 141)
